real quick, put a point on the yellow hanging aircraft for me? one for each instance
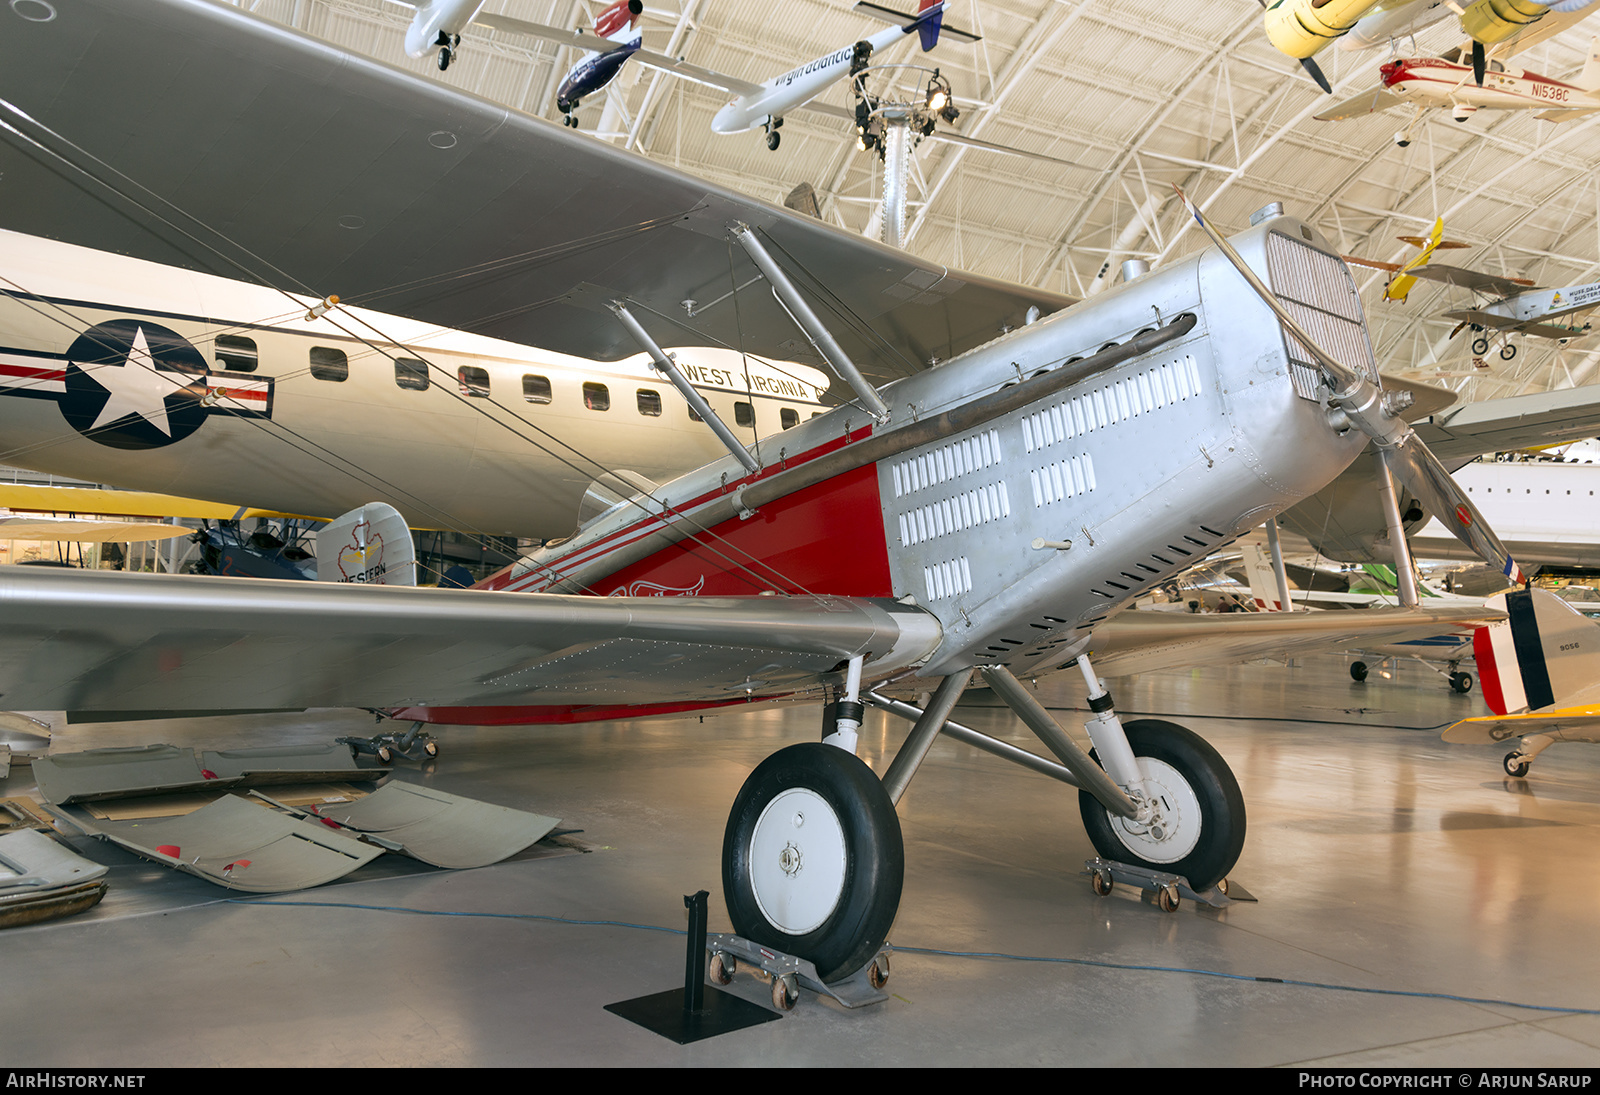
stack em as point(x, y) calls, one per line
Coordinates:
point(1404, 278)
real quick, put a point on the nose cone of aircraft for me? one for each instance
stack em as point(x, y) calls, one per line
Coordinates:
point(730, 119)
point(1393, 72)
point(418, 40)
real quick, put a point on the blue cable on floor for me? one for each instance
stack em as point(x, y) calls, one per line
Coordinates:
point(1092, 962)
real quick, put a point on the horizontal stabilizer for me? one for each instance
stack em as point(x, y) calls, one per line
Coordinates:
point(1564, 724)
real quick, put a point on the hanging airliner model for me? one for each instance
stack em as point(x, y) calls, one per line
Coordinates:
point(116, 370)
point(1495, 28)
point(989, 515)
point(1443, 82)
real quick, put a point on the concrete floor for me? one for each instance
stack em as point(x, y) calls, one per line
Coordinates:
point(1383, 859)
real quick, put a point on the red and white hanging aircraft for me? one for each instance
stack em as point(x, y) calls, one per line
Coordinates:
point(1445, 82)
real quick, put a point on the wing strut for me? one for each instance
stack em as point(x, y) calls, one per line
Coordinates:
point(1403, 573)
point(666, 365)
point(808, 322)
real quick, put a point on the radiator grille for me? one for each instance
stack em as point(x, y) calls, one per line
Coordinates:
point(1317, 290)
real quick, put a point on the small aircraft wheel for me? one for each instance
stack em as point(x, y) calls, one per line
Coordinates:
point(785, 993)
point(1100, 882)
point(813, 860)
point(772, 141)
point(385, 755)
point(1461, 682)
point(722, 967)
point(878, 971)
point(1167, 898)
point(1480, 346)
point(1200, 829)
point(444, 58)
point(431, 748)
point(1358, 671)
point(1516, 765)
point(1507, 352)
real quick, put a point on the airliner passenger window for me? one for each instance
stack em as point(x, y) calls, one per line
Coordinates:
point(788, 417)
point(536, 389)
point(597, 397)
point(744, 414)
point(236, 354)
point(411, 374)
point(329, 364)
point(474, 381)
point(650, 402)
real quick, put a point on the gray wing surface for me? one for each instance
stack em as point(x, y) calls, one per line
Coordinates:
point(1476, 280)
point(104, 641)
point(1137, 642)
point(194, 134)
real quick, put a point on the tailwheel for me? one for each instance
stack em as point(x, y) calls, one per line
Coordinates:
point(1358, 671)
point(1199, 823)
point(1516, 765)
point(812, 860)
point(1461, 682)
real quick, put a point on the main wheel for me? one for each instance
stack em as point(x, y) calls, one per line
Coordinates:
point(445, 56)
point(1461, 682)
point(812, 860)
point(1199, 831)
point(1358, 671)
point(1507, 352)
point(1480, 346)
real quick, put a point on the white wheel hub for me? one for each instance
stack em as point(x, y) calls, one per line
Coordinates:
point(1174, 829)
point(797, 861)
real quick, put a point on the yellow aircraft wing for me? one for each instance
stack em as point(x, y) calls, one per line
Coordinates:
point(125, 503)
point(1581, 723)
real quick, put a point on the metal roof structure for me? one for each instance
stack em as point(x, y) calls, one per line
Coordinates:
point(1139, 97)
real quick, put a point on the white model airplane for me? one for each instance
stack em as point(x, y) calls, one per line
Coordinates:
point(1494, 28)
point(116, 370)
point(990, 515)
point(1443, 82)
point(615, 38)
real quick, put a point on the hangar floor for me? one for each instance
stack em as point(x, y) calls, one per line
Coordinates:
point(1383, 860)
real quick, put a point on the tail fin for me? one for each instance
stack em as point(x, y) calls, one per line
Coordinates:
point(928, 24)
point(618, 17)
point(1589, 78)
point(1545, 654)
point(371, 545)
point(1263, 583)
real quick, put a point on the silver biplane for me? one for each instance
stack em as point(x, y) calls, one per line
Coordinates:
point(999, 484)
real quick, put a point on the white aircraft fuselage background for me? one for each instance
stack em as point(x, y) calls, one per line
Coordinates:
point(281, 437)
point(796, 87)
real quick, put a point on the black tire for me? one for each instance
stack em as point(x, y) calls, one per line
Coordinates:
point(772, 141)
point(1189, 765)
point(1507, 352)
point(1514, 767)
point(1358, 671)
point(444, 59)
point(1480, 346)
point(1461, 682)
point(840, 923)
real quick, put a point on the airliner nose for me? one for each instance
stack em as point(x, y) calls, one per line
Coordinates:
point(726, 120)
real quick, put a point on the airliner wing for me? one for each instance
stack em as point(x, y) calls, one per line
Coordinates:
point(679, 67)
point(1141, 641)
point(580, 37)
point(104, 641)
point(271, 156)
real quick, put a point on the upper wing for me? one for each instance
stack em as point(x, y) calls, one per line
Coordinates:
point(271, 156)
point(1547, 26)
point(1476, 280)
point(1371, 101)
point(1138, 642)
point(102, 641)
point(1516, 422)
